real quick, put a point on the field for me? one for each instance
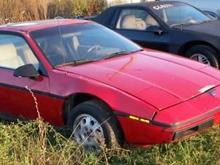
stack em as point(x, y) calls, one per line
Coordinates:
point(39, 143)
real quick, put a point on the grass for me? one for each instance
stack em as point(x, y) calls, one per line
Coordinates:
point(26, 10)
point(39, 143)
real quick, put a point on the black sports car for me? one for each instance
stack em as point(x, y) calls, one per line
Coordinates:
point(169, 26)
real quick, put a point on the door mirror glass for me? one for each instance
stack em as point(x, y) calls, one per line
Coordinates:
point(28, 71)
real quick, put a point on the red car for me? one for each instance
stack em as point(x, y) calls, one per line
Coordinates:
point(106, 88)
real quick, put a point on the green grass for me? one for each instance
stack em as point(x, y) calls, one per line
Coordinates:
point(39, 143)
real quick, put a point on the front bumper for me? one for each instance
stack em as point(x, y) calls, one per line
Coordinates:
point(175, 122)
point(190, 131)
point(142, 134)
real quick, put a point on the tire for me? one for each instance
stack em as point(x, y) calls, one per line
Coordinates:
point(204, 54)
point(84, 120)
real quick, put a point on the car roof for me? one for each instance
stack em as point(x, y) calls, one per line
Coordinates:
point(39, 25)
point(148, 4)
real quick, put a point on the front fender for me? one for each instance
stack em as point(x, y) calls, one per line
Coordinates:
point(67, 84)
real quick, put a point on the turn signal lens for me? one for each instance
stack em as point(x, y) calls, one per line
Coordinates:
point(133, 117)
point(139, 119)
point(144, 120)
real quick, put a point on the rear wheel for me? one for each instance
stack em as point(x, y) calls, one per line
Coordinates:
point(94, 126)
point(204, 54)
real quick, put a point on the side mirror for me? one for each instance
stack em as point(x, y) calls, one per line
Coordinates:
point(27, 71)
point(155, 29)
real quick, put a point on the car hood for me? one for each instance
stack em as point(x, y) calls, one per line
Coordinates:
point(157, 81)
point(210, 28)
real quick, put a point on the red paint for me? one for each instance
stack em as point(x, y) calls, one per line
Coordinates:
point(141, 84)
point(142, 134)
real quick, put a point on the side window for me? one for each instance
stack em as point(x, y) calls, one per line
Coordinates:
point(135, 19)
point(15, 52)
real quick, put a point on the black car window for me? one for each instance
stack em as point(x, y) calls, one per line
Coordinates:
point(15, 52)
point(179, 14)
point(135, 19)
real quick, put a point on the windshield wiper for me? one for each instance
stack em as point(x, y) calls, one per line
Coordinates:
point(206, 21)
point(121, 53)
point(190, 23)
point(76, 62)
point(181, 24)
point(83, 61)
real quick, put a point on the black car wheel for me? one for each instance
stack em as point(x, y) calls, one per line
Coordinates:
point(93, 126)
point(204, 54)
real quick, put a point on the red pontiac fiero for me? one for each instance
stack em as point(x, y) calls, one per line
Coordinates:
point(102, 85)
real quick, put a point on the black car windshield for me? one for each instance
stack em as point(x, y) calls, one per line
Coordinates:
point(81, 43)
point(179, 14)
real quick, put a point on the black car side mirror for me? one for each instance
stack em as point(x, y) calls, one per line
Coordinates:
point(155, 29)
point(27, 71)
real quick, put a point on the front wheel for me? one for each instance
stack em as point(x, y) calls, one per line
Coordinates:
point(94, 126)
point(204, 54)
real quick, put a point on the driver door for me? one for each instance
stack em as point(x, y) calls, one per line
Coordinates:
point(16, 98)
point(142, 28)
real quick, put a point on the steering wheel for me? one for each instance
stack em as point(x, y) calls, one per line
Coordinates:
point(94, 48)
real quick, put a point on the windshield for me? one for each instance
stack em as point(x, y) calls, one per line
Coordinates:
point(179, 14)
point(81, 43)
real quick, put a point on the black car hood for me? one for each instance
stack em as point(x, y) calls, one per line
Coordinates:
point(210, 28)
